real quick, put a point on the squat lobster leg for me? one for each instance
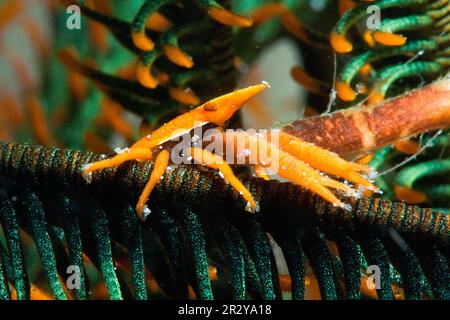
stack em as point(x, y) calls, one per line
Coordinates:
point(303, 175)
point(290, 167)
point(325, 160)
point(161, 163)
point(140, 154)
point(261, 172)
point(216, 162)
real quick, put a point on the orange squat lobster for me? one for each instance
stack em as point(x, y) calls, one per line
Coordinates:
point(297, 160)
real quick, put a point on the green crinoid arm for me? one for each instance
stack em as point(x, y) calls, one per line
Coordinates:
point(350, 254)
point(72, 233)
point(316, 250)
point(103, 250)
point(407, 177)
point(133, 240)
point(406, 23)
point(4, 289)
point(437, 4)
point(443, 23)
point(170, 42)
point(443, 61)
point(351, 17)
point(197, 245)
point(231, 244)
point(147, 9)
point(32, 208)
point(353, 67)
point(387, 76)
point(144, 69)
point(8, 218)
point(439, 13)
point(443, 39)
point(385, 35)
point(438, 192)
point(140, 39)
point(343, 86)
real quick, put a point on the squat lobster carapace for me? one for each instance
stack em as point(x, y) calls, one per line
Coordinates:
point(291, 158)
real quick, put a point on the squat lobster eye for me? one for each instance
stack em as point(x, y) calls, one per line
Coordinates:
point(209, 106)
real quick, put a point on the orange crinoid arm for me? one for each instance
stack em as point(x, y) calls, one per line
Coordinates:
point(229, 18)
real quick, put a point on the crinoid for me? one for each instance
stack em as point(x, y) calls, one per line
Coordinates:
point(178, 68)
point(185, 57)
point(414, 45)
point(190, 222)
